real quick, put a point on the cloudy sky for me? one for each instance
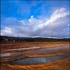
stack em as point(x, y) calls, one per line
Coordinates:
point(35, 18)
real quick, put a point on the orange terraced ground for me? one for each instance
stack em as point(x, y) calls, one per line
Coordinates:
point(57, 65)
point(62, 64)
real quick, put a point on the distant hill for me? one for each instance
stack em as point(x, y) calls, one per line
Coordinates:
point(28, 39)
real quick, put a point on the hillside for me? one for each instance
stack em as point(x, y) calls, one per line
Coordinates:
point(29, 39)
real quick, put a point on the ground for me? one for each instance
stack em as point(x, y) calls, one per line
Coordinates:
point(63, 64)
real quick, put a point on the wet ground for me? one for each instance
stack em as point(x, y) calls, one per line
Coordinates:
point(36, 57)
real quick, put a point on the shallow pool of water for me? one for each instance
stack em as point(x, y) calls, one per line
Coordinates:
point(30, 61)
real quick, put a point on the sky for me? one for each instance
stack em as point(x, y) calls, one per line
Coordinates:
point(35, 18)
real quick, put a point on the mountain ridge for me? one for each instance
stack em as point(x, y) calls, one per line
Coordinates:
point(30, 39)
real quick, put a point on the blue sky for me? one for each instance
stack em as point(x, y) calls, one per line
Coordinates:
point(35, 18)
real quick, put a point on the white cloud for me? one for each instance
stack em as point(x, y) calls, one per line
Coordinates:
point(56, 15)
point(56, 25)
point(6, 31)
